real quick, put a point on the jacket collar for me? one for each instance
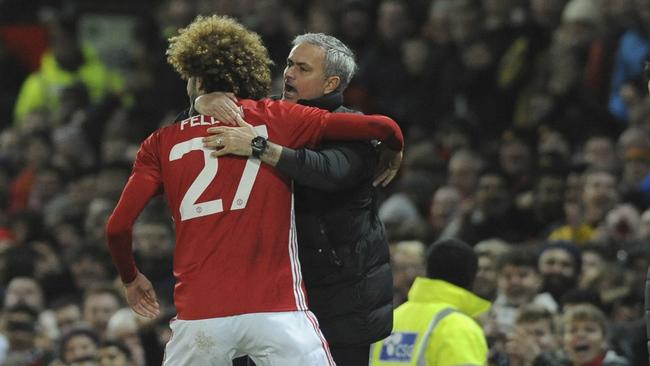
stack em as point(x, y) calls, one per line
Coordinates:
point(329, 101)
point(438, 291)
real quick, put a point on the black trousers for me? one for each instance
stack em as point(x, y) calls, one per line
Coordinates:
point(343, 356)
point(351, 355)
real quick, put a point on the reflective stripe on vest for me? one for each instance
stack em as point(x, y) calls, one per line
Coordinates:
point(434, 323)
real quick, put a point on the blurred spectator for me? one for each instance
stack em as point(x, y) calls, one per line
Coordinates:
point(79, 345)
point(99, 305)
point(67, 313)
point(123, 325)
point(114, 353)
point(584, 337)
point(19, 326)
point(559, 265)
point(519, 284)
point(407, 263)
point(65, 63)
point(445, 206)
point(533, 335)
point(489, 253)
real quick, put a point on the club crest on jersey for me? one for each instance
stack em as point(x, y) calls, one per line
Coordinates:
point(398, 347)
point(199, 120)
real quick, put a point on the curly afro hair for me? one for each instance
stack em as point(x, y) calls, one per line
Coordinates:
point(227, 56)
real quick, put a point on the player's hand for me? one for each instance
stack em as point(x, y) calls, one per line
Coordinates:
point(142, 297)
point(389, 163)
point(231, 140)
point(219, 105)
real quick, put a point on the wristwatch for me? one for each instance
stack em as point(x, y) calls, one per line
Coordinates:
point(258, 144)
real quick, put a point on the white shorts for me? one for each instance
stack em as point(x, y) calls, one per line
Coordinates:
point(269, 339)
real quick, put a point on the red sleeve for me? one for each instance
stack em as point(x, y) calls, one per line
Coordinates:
point(351, 126)
point(308, 126)
point(144, 183)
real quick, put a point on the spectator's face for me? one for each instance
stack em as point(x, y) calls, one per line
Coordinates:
point(557, 261)
point(99, 308)
point(541, 332)
point(304, 75)
point(463, 174)
point(514, 158)
point(600, 153)
point(584, 341)
point(485, 282)
point(592, 266)
point(20, 329)
point(79, 347)
point(600, 190)
point(492, 195)
point(550, 191)
point(634, 170)
point(24, 290)
point(392, 21)
point(444, 205)
point(67, 317)
point(113, 356)
point(518, 283)
point(153, 240)
point(87, 271)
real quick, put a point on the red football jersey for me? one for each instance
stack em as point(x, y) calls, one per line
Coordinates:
point(236, 248)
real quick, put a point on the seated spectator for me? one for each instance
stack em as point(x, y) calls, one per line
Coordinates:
point(407, 263)
point(99, 305)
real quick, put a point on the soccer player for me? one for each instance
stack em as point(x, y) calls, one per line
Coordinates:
point(239, 289)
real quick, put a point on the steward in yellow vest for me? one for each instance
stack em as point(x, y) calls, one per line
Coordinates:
point(436, 326)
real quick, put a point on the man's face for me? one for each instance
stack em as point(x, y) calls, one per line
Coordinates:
point(67, 317)
point(112, 356)
point(79, 347)
point(486, 277)
point(99, 308)
point(557, 261)
point(24, 290)
point(518, 283)
point(304, 75)
point(541, 332)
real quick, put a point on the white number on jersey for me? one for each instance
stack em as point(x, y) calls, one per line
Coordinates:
point(189, 208)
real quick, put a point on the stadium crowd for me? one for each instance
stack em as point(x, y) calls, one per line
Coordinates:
point(527, 126)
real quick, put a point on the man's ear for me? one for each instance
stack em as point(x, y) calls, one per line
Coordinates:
point(331, 84)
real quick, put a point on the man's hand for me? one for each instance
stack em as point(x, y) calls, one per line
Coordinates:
point(219, 105)
point(389, 163)
point(231, 140)
point(141, 297)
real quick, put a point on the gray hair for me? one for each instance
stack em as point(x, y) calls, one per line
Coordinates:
point(339, 59)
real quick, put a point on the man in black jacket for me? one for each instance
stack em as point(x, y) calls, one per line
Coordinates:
point(342, 245)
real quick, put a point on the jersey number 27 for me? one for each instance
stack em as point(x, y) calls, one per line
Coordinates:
point(189, 207)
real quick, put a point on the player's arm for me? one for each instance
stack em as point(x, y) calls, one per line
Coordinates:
point(140, 188)
point(332, 168)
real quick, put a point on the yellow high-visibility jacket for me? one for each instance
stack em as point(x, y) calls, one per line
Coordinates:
point(435, 327)
point(41, 90)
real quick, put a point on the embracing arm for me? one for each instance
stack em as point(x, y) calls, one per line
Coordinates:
point(330, 169)
point(352, 126)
